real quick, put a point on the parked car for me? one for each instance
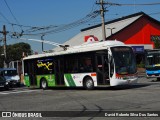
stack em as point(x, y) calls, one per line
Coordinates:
point(11, 76)
point(3, 82)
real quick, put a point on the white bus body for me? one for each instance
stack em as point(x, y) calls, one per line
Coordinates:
point(113, 64)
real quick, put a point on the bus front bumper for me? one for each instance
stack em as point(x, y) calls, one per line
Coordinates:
point(117, 82)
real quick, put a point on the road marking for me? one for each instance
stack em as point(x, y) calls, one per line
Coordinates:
point(13, 92)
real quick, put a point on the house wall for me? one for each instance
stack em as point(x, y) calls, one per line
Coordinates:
point(139, 32)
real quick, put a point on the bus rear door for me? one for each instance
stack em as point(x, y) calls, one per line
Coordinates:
point(59, 71)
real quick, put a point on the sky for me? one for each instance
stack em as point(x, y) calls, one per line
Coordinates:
point(24, 15)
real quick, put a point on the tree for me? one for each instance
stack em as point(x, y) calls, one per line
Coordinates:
point(157, 44)
point(15, 51)
point(156, 40)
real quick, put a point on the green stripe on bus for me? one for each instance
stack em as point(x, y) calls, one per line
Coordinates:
point(70, 80)
point(27, 82)
point(50, 80)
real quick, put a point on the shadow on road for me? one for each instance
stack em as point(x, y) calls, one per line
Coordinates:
point(158, 81)
point(3, 89)
point(124, 87)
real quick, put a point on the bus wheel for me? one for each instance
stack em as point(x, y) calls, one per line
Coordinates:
point(88, 83)
point(44, 84)
point(6, 87)
point(158, 79)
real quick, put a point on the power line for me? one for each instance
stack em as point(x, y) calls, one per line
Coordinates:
point(11, 11)
point(14, 24)
point(4, 17)
point(12, 15)
point(57, 29)
point(143, 4)
point(54, 28)
point(35, 29)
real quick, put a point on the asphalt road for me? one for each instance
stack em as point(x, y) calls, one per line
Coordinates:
point(144, 96)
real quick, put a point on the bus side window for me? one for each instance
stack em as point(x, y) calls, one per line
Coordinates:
point(75, 66)
point(89, 66)
point(71, 65)
point(86, 65)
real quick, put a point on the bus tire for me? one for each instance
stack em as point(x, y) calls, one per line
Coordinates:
point(44, 84)
point(88, 83)
point(158, 79)
point(6, 87)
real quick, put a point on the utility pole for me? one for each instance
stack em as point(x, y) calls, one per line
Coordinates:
point(102, 11)
point(42, 42)
point(4, 32)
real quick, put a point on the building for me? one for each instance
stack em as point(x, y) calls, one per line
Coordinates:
point(137, 30)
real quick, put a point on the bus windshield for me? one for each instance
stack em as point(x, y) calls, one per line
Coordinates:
point(124, 59)
point(153, 59)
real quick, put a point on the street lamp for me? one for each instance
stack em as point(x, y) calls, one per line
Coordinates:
point(111, 29)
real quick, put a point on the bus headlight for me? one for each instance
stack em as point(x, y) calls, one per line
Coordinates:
point(7, 83)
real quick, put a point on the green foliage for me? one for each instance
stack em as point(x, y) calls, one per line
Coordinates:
point(14, 52)
point(157, 44)
point(141, 65)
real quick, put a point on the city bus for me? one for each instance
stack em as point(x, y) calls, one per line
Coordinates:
point(107, 63)
point(152, 63)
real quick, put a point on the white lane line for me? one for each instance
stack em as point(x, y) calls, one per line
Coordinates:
point(3, 93)
point(13, 92)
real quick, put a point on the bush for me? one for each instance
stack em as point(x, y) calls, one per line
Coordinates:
point(141, 65)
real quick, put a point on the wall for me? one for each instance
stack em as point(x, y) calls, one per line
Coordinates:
point(139, 32)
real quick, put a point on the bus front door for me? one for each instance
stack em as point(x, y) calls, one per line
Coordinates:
point(102, 69)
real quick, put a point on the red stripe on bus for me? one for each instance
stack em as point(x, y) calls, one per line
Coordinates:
point(93, 74)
